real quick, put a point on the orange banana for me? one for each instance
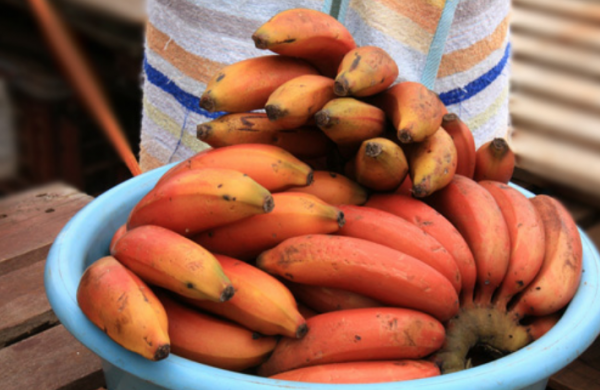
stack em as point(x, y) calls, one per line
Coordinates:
point(364, 267)
point(362, 372)
point(380, 165)
point(394, 232)
point(201, 199)
point(237, 128)
point(558, 279)
point(305, 33)
point(432, 163)
point(166, 259)
point(348, 122)
point(539, 326)
point(334, 189)
point(494, 160)
point(247, 84)
point(118, 234)
point(270, 166)
point(415, 111)
point(433, 223)
point(209, 340)
point(118, 302)
point(294, 214)
point(326, 299)
point(464, 142)
point(261, 303)
point(358, 335)
point(365, 71)
point(295, 102)
point(477, 216)
point(527, 242)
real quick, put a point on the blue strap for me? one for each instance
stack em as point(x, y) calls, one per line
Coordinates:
point(336, 8)
point(436, 49)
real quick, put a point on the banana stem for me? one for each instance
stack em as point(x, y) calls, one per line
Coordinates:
point(79, 72)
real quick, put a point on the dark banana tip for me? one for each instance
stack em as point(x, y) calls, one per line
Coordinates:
point(451, 117)
point(499, 146)
point(269, 204)
point(322, 118)
point(208, 103)
point(419, 191)
point(227, 294)
point(373, 149)
point(203, 131)
point(404, 136)
point(259, 42)
point(340, 87)
point(341, 220)
point(310, 178)
point(274, 112)
point(301, 331)
point(162, 352)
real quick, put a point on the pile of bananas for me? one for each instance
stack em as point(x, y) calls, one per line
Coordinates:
point(350, 233)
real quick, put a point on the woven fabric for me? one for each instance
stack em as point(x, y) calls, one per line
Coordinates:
point(188, 41)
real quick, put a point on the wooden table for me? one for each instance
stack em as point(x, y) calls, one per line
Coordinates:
point(36, 352)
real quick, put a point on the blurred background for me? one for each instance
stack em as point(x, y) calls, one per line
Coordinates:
point(47, 134)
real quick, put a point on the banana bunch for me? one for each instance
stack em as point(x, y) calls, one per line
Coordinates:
point(349, 233)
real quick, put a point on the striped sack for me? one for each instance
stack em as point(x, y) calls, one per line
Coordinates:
point(458, 48)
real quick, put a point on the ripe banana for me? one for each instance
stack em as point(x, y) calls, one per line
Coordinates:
point(270, 166)
point(495, 161)
point(365, 71)
point(117, 301)
point(358, 335)
point(362, 372)
point(363, 267)
point(432, 163)
point(334, 188)
point(464, 142)
point(237, 128)
point(261, 303)
point(527, 242)
point(379, 164)
point(433, 223)
point(348, 122)
point(219, 343)
point(394, 232)
point(315, 36)
point(201, 199)
point(415, 111)
point(559, 276)
point(305, 142)
point(166, 259)
point(477, 216)
point(326, 299)
point(118, 234)
point(295, 102)
point(247, 84)
point(294, 214)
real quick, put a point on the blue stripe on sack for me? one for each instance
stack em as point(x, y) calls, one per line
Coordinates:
point(474, 87)
point(184, 98)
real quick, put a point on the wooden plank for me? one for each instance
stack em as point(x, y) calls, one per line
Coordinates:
point(580, 9)
point(555, 119)
point(576, 376)
point(53, 359)
point(566, 31)
point(569, 89)
point(554, 54)
point(557, 161)
point(24, 308)
point(29, 223)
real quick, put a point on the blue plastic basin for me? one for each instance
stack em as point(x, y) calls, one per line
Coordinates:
point(86, 238)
